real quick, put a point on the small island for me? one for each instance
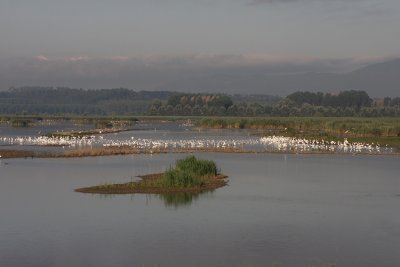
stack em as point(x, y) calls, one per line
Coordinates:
point(190, 175)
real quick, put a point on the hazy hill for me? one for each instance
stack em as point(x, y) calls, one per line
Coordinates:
point(378, 80)
point(382, 79)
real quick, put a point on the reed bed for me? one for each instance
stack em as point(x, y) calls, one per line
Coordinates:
point(378, 130)
point(361, 127)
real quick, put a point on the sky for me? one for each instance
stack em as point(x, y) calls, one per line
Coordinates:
point(331, 35)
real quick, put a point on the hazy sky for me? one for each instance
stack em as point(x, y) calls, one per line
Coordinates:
point(54, 42)
point(126, 28)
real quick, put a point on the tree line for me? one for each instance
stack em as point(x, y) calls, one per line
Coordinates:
point(345, 99)
point(67, 101)
point(303, 104)
point(120, 101)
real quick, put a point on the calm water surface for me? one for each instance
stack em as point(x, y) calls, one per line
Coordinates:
point(293, 210)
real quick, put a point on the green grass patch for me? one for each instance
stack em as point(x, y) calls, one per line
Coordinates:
point(188, 172)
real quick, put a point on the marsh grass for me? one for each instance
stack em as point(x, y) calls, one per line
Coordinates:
point(351, 125)
point(180, 178)
point(199, 167)
point(385, 131)
point(188, 172)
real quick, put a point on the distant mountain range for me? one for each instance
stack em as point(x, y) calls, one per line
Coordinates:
point(378, 80)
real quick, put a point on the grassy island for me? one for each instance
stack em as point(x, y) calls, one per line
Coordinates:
point(190, 175)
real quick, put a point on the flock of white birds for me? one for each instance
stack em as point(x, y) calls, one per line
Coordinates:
point(47, 141)
point(281, 143)
point(268, 143)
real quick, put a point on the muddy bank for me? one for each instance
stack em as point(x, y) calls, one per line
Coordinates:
point(149, 185)
point(108, 151)
point(127, 150)
point(80, 134)
point(25, 154)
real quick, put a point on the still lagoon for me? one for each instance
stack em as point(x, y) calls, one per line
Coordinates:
point(278, 209)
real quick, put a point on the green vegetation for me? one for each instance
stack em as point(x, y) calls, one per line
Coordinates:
point(104, 123)
point(99, 122)
point(188, 172)
point(67, 101)
point(300, 104)
point(351, 99)
point(352, 127)
point(189, 175)
point(192, 104)
point(124, 102)
point(385, 131)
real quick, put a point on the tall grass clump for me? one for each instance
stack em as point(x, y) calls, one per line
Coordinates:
point(189, 172)
point(200, 167)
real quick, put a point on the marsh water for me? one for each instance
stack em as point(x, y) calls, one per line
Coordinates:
point(170, 132)
point(172, 137)
point(288, 210)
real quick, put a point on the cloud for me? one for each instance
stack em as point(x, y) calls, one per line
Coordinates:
point(193, 61)
point(79, 58)
point(42, 58)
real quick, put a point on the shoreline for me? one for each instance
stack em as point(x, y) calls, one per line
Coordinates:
point(145, 186)
point(115, 151)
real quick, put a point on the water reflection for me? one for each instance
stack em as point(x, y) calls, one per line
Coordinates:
point(181, 199)
point(105, 196)
point(174, 200)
